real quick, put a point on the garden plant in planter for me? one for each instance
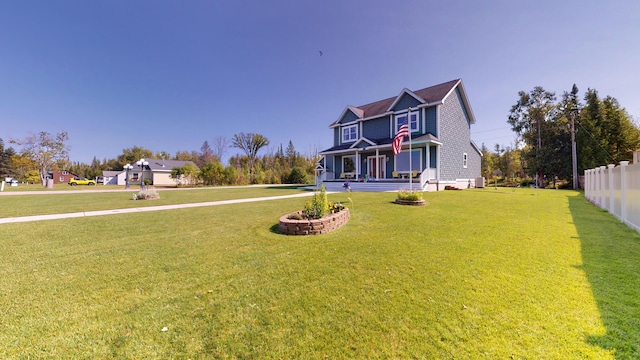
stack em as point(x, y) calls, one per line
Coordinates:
point(406, 197)
point(147, 194)
point(318, 217)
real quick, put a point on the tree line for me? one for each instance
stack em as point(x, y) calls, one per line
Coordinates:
point(44, 152)
point(605, 133)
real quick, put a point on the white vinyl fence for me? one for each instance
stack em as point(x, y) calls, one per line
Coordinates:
point(617, 190)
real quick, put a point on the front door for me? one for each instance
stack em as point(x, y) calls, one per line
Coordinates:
point(375, 167)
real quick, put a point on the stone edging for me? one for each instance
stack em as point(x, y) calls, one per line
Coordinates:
point(313, 227)
point(410, 202)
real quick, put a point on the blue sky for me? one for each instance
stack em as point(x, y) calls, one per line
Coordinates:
point(168, 75)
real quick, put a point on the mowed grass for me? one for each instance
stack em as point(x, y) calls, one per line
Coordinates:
point(80, 201)
point(474, 274)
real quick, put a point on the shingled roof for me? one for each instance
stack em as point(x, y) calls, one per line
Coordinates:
point(429, 95)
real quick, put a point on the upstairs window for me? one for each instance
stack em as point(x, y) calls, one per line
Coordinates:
point(350, 133)
point(464, 160)
point(402, 120)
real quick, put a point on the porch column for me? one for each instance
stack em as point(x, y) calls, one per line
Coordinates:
point(357, 165)
point(438, 163)
point(428, 161)
point(377, 161)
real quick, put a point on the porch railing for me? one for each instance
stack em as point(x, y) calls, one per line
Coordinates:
point(424, 179)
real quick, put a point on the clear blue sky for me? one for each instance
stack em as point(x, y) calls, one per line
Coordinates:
point(168, 75)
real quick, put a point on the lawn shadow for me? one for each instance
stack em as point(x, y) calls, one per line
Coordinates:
point(290, 187)
point(274, 229)
point(610, 255)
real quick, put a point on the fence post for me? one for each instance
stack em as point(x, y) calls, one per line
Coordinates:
point(586, 184)
point(603, 173)
point(611, 188)
point(623, 191)
point(591, 185)
point(596, 186)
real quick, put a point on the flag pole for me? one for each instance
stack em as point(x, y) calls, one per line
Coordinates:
point(410, 167)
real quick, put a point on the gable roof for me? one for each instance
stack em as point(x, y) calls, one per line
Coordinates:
point(428, 96)
point(168, 165)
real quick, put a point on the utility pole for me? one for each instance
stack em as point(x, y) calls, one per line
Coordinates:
point(574, 156)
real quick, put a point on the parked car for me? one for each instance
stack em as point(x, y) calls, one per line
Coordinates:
point(81, 181)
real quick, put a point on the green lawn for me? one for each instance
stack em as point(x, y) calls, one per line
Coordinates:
point(79, 200)
point(486, 274)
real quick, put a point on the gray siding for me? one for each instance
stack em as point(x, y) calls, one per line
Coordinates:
point(336, 136)
point(431, 121)
point(377, 128)
point(433, 156)
point(405, 102)
point(348, 117)
point(455, 134)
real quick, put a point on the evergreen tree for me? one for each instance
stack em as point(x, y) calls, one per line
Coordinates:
point(206, 154)
point(290, 154)
point(623, 137)
point(589, 138)
point(6, 170)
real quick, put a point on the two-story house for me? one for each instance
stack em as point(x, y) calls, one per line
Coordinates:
point(442, 153)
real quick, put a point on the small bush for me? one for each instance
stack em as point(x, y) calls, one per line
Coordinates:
point(147, 194)
point(295, 216)
point(410, 195)
point(317, 206)
point(298, 175)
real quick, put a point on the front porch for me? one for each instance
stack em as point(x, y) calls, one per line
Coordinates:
point(374, 186)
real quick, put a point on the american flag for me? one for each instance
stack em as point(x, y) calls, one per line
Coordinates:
point(397, 141)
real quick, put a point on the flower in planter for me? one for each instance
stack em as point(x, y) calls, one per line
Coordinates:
point(347, 187)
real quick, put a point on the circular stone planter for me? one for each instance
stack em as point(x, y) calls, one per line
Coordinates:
point(312, 227)
point(410, 202)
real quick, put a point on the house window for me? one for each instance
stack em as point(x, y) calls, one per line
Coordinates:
point(61, 179)
point(350, 133)
point(402, 120)
point(464, 160)
point(402, 161)
point(349, 164)
point(65, 173)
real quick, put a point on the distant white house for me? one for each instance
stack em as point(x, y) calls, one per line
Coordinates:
point(113, 177)
point(158, 171)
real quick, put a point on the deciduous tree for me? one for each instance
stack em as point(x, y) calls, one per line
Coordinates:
point(528, 118)
point(46, 150)
point(250, 143)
